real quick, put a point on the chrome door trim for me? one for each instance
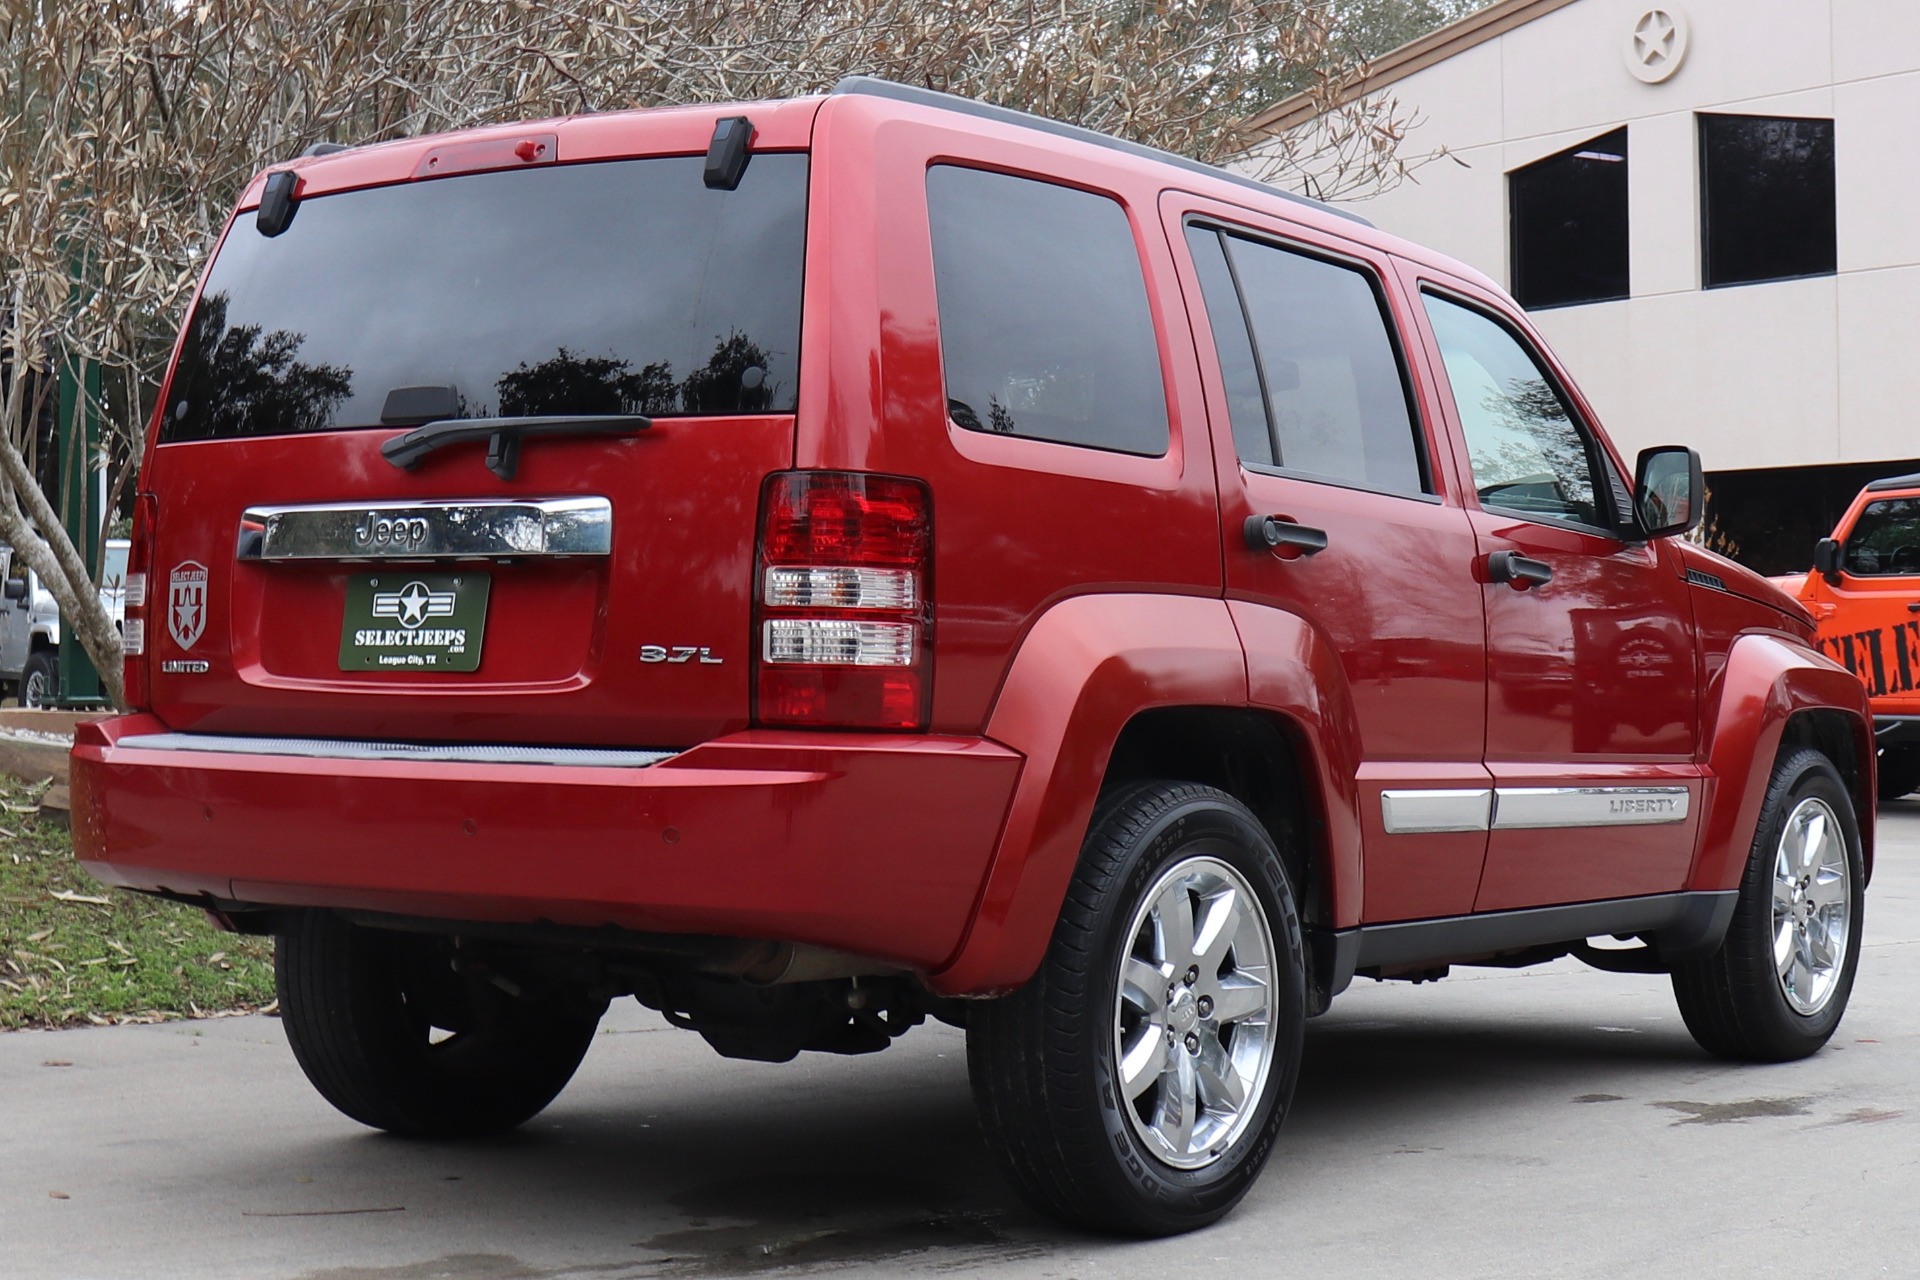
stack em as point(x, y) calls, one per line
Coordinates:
point(446, 529)
point(1409, 812)
point(1431, 810)
point(1538, 807)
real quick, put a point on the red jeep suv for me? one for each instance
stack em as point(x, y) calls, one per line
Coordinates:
point(817, 565)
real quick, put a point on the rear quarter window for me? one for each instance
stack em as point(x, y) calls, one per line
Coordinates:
point(1045, 331)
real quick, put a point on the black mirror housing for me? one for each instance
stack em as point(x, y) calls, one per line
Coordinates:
point(16, 589)
point(1669, 491)
point(1826, 559)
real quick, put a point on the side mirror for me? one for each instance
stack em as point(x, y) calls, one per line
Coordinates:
point(1669, 491)
point(1826, 559)
point(16, 589)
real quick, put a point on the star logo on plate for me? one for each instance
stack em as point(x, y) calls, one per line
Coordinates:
point(187, 602)
point(413, 604)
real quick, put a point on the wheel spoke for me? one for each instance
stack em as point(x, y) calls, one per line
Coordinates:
point(1783, 945)
point(1219, 1083)
point(1144, 1061)
point(1179, 1104)
point(1813, 841)
point(1173, 925)
point(1217, 927)
point(1143, 985)
point(1238, 997)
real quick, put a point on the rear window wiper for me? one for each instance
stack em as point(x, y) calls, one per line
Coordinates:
point(503, 436)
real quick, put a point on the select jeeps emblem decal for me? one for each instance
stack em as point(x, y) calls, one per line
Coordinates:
point(187, 603)
point(413, 604)
point(678, 653)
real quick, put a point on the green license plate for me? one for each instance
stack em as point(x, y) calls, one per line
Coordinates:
point(409, 621)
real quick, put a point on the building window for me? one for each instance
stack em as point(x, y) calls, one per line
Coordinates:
point(1569, 218)
point(1767, 199)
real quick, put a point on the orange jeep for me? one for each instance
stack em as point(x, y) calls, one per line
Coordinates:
point(1864, 594)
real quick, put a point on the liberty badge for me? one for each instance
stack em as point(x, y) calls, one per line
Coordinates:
point(187, 603)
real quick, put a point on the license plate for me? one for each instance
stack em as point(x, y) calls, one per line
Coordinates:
point(414, 621)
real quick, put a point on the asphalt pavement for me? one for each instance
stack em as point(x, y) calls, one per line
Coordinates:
point(1547, 1122)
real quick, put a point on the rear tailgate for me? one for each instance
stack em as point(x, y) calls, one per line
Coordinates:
point(599, 592)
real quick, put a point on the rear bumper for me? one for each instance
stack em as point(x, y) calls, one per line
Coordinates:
point(874, 845)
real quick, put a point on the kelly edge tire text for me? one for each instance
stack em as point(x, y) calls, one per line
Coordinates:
point(1136, 1084)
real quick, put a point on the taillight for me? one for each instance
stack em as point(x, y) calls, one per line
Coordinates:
point(133, 624)
point(843, 604)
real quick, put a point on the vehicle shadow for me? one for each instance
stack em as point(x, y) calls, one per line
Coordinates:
point(878, 1163)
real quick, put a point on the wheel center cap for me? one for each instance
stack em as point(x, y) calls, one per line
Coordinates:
point(1183, 1015)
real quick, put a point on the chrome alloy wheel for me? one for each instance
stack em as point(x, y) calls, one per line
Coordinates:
point(1812, 906)
point(1190, 1028)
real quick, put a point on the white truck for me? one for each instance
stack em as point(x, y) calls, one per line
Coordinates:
point(30, 624)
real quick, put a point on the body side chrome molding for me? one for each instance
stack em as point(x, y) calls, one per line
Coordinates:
point(1407, 812)
point(435, 530)
point(342, 749)
point(1427, 810)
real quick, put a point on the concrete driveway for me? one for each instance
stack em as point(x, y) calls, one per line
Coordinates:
point(1549, 1122)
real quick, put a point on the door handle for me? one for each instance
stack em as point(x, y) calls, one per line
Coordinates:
point(1914, 607)
point(1272, 533)
point(1518, 571)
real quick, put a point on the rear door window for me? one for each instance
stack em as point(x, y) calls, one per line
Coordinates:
point(1314, 381)
point(1045, 330)
point(615, 287)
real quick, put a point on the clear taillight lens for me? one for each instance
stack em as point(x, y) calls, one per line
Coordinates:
point(843, 605)
point(133, 624)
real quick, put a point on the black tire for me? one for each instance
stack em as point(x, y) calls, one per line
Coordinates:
point(40, 679)
point(1899, 771)
point(1044, 1060)
point(1735, 1001)
point(360, 1007)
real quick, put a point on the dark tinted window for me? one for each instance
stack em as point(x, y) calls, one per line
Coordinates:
point(1569, 224)
point(1044, 326)
point(626, 286)
point(1336, 400)
point(1767, 194)
point(1885, 539)
point(1246, 404)
point(1527, 453)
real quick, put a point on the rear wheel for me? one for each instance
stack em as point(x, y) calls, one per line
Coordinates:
point(40, 679)
point(392, 1035)
point(1899, 771)
point(1137, 1082)
point(1777, 986)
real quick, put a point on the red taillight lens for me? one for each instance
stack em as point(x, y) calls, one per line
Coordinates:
point(133, 625)
point(843, 602)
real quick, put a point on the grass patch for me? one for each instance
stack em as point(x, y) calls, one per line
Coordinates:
point(75, 953)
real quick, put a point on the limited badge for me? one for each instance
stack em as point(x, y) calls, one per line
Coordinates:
point(187, 603)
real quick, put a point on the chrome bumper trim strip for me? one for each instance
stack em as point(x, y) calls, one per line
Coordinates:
point(338, 749)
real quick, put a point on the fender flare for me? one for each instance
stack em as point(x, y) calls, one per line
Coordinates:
point(1089, 665)
point(1766, 681)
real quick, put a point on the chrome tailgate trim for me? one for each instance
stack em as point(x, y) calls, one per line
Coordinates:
point(343, 749)
point(438, 530)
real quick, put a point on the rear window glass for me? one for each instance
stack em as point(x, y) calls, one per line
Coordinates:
point(619, 287)
point(1044, 325)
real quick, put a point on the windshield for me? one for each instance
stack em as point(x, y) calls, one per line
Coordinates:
point(618, 287)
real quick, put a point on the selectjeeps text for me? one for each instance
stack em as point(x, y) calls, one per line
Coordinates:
point(817, 565)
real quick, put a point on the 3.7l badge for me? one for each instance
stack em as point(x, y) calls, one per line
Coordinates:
point(678, 653)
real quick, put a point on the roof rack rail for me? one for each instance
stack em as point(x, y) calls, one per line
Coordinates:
point(1894, 482)
point(874, 87)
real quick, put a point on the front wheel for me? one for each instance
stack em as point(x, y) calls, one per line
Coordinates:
point(40, 680)
point(1777, 986)
point(1136, 1084)
point(395, 1036)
